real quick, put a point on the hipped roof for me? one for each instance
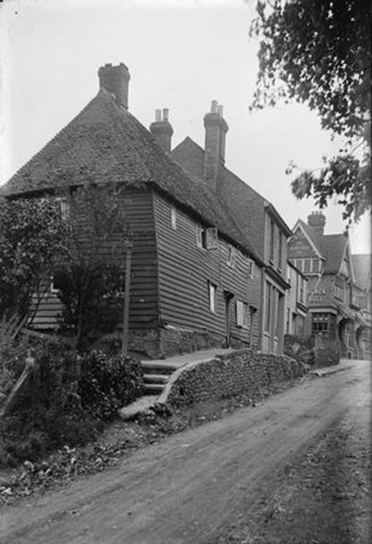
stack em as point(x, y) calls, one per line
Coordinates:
point(105, 143)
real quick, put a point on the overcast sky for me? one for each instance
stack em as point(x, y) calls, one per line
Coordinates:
point(181, 55)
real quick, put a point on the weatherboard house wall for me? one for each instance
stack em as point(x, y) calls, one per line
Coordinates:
point(187, 291)
point(255, 217)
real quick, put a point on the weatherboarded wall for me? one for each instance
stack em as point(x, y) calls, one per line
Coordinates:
point(243, 371)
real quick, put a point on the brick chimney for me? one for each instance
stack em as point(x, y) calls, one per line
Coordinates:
point(115, 79)
point(317, 221)
point(215, 137)
point(162, 129)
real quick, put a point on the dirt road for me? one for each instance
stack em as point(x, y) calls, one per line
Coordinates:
point(189, 487)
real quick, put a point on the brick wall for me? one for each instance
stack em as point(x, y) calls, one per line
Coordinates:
point(228, 375)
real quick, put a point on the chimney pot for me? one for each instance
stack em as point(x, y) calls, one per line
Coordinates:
point(214, 106)
point(162, 130)
point(220, 110)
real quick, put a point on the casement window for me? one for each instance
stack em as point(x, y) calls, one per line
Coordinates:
point(206, 238)
point(242, 314)
point(212, 295)
point(231, 257)
point(316, 265)
point(320, 323)
point(174, 218)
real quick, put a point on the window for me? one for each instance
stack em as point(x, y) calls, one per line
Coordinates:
point(272, 232)
point(231, 256)
point(307, 266)
point(212, 293)
point(280, 250)
point(339, 289)
point(320, 323)
point(206, 238)
point(301, 294)
point(268, 306)
point(316, 265)
point(64, 206)
point(55, 282)
point(242, 314)
point(174, 218)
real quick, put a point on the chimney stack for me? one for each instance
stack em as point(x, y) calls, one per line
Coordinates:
point(317, 221)
point(162, 129)
point(115, 79)
point(215, 138)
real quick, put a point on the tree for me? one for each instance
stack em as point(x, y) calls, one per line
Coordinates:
point(91, 277)
point(32, 236)
point(319, 53)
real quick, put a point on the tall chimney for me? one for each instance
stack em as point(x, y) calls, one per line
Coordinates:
point(215, 138)
point(162, 129)
point(115, 79)
point(317, 221)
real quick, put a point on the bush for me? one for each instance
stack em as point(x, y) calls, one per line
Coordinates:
point(64, 408)
point(109, 382)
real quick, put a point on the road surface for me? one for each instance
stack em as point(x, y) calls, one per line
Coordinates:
point(187, 488)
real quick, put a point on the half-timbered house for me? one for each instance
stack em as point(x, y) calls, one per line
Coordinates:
point(334, 306)
point(196, 278)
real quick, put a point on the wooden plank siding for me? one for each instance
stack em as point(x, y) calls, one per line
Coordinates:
point(185, 270)
point(144, 289)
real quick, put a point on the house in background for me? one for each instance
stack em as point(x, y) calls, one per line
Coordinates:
point(255, 217)
point(296, 302)
point(363, 300)
point(326, 261)
point(196, 278)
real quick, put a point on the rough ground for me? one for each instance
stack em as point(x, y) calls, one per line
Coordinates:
point(293, 469)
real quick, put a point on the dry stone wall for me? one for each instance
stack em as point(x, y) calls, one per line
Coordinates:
point(242, 371)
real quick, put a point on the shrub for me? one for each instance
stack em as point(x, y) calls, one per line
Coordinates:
point(109, 382)
point(64, 408)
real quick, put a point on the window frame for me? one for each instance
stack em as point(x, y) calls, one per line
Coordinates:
point(212, 297)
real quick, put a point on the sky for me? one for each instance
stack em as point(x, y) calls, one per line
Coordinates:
point(181, 55)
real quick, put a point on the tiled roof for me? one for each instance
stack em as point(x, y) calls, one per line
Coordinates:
point(362, 269)
point(246, 204)
point(332, 248)
point(105, 143)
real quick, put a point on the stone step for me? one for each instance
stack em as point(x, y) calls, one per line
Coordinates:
point(155, 378)
point(153, 389)
point(158, 367)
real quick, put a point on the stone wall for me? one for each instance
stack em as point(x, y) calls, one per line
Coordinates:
point(313, 350)
point(244, 371)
